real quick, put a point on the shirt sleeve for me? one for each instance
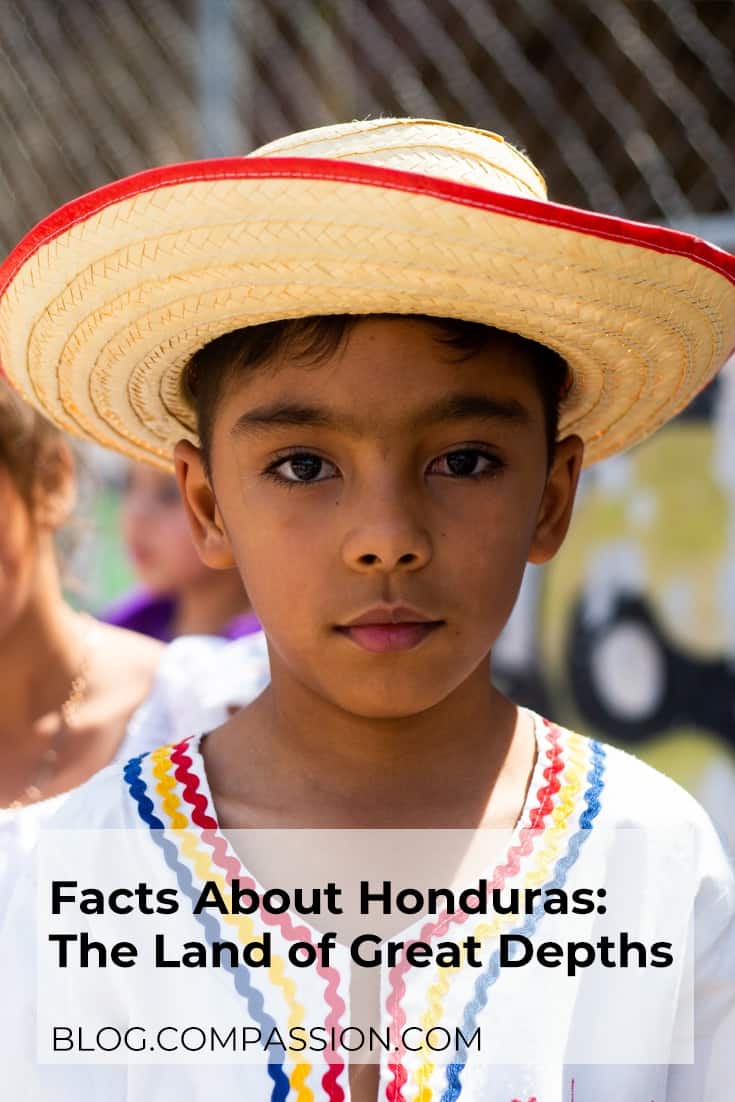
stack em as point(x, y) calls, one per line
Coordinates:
point(200, 681)
point(710, 1077)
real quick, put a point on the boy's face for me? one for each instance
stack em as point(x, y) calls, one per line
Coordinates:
point(394, 481)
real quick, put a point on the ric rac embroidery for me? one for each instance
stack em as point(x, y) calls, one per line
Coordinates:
point(224, 859)
point(538, 875)
point(166, 786)
point(163, 760)
point(483, 984)
point(241, 978)
point(528, 835)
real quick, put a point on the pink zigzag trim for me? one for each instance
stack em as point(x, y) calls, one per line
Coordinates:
point(233, 870)
point(394, 1090)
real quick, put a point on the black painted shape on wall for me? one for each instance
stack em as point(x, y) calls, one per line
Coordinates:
point(694, 691)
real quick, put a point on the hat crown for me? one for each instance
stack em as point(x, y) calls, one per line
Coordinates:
point(431, 147)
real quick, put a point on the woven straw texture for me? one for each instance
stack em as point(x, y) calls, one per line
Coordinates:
point(98, 322)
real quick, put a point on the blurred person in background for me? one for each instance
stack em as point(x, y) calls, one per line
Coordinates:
point(180, 596)
point(77, 694)
point(68, 684)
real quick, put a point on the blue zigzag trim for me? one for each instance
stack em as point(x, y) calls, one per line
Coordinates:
point(241, 977)
point(563, 865)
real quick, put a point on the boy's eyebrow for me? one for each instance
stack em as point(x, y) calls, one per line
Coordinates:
point(288, 413)
point(456, 407)
point(474, 407)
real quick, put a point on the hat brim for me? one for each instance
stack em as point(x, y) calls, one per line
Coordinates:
point(104, 302)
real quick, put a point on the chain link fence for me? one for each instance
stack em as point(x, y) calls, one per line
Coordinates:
point(629, 107)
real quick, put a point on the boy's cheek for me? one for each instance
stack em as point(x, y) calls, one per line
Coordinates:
point(280, 589)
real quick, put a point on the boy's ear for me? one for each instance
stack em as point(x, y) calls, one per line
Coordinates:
point(207, 527)
point(55, 487)
point(555, 511)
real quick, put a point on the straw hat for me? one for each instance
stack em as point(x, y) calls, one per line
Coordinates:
point(104, 302)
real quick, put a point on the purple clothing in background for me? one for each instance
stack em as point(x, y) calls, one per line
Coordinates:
point(150, 615)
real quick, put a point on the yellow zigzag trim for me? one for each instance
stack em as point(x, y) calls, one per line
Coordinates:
point(242, 924)
point(574, 771)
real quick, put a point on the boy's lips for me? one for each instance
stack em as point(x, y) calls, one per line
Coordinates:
point(387, 628)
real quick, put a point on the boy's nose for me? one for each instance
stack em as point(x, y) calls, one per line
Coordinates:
point(398, 547)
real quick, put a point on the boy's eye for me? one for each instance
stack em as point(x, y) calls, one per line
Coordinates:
point(465, 463)
point(302, 467)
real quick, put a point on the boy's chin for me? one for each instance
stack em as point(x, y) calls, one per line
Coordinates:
point(399, 701)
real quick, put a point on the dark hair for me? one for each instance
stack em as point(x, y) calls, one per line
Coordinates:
point(30, 446)
point(312, 340)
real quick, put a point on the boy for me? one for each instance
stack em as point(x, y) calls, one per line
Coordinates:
point(382, 357)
